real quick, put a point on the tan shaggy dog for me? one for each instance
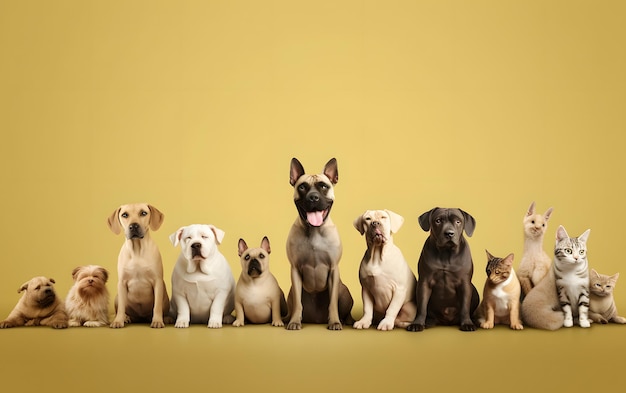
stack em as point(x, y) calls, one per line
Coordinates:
point(87, 302)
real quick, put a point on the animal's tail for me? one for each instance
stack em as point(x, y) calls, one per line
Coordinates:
point(541, 312)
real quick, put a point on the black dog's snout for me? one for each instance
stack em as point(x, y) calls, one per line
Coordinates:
point(449, 234)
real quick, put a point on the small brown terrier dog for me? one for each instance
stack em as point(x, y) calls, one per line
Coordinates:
point(87, 302)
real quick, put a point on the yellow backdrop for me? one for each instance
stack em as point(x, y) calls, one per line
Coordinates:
point(197, 107)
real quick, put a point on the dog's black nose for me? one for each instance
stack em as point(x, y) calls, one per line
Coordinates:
point(449, 234)
point(375, 224)
point(133, 227)
point(313, 198)
point(196, 246)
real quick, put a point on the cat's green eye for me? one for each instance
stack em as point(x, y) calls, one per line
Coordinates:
point(568, 250)
point(582, 252)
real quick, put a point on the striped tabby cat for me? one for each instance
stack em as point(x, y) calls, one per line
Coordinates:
point(563, 295)
point(602, 305)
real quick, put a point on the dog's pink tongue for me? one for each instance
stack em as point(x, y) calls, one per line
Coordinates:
point(315, 218)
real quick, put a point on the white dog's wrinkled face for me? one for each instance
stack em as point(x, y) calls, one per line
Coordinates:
point(378, 225)
point(198, 241)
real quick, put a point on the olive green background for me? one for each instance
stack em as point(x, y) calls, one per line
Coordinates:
point(197, 107)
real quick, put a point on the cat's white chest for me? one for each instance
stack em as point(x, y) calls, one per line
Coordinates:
point(502, 298)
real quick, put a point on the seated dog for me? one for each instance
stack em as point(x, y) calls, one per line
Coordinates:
point(203, 286)
point(445, 293)
point(388, 284)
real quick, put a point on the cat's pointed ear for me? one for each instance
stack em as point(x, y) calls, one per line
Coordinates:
point(531, 209)
point(561, 233)
point(547, 214)
point(583, 238)
point(594, 273)
point(615, 277)
point(508, 260)
point(470, 223)
point(489, 256)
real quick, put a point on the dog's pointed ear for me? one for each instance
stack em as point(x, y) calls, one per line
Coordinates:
point(470, 223)
point(219, 234)
point(175, 237)
point(396, 221)
point(114, 222)
point(531, 209)
point(296, 170)
point(75, 272)
point(359, 224)
point(241, 247)
point(265, 244)
point(424, 220)
point(156, 218)
point(331, 171)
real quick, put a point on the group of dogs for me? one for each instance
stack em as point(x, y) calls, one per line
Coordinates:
point(204, 289)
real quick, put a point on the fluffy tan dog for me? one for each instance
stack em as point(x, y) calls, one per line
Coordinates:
point(141, 293)
point(39, 305)
point(87, 302)
point(258, 297)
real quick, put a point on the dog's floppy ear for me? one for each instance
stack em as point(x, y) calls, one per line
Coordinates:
point(52, 281)
point(75, 272)
point(175, 237)
point(296, 170)
point(105, 274)
point(219, 234)
point(359, 224)
point(156, 218)
point(114, 222)
point(241, 247)
point(331, 171)
point(265, 244)
point(470, 223)
point(424, 220)
point(396, 221)
point(23, 287)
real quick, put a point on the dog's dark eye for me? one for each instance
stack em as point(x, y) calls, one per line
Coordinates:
point(38, 287)
point(125, 215)
point(302, 187)
point(438, 221)
point(262, 256)
point(143, 213)
point(458, 222)
point(247, 257)
point(205, 237)
point(323, 186)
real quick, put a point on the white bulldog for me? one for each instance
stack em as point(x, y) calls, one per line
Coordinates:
point(203, 286)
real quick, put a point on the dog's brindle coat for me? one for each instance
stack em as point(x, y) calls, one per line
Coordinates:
point(445, 293)
point(317, 294)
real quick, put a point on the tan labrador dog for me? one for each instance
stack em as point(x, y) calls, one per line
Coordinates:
point(39, 305)
point(258, 297)
point(387, 282)
point(141, 293)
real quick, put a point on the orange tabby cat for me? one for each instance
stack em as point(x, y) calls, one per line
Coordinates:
point(601, 303)
point(501, 295)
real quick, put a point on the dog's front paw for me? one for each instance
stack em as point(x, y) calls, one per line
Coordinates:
point(468, 327)
point(59, 325)
point(159, 324)
point(181, 323)
point(6, 324)
point(416, 327)
point(238, 323)
point(294, 326)
point(362, 324)
point(278, 322)
point(214, 324)
point(386, 324)
point(117, 324)
point(487, 325)
point(335, 326)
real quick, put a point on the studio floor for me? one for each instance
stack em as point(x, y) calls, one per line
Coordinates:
point(265, 358)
